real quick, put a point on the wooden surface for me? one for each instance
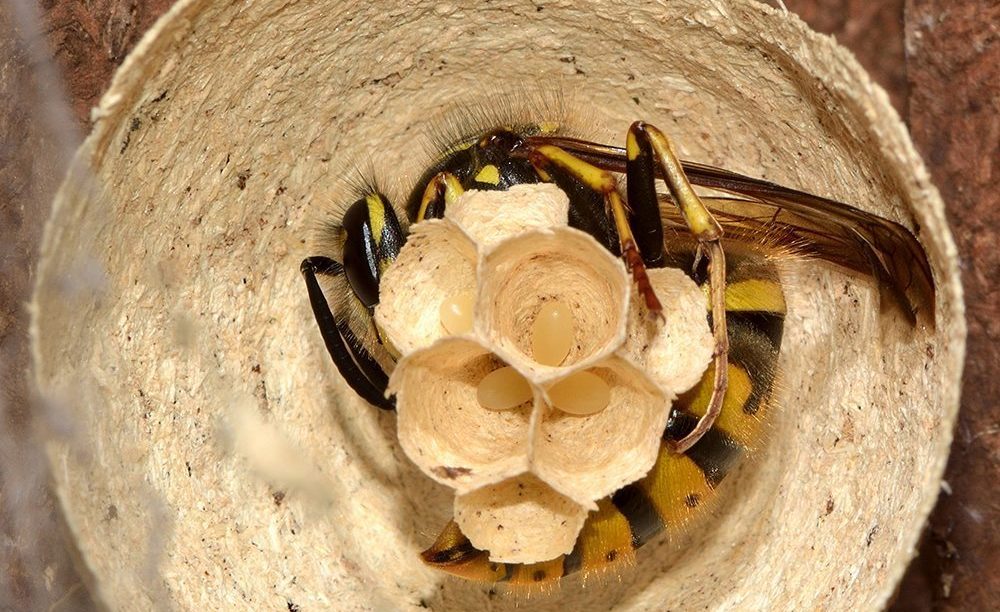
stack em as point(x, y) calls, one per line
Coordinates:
point(938, 59)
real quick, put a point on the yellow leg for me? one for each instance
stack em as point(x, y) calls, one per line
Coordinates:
point(643, 139)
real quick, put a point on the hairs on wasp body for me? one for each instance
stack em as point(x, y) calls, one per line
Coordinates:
point(728, 241)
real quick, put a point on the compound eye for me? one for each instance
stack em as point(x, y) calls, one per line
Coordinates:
point(360, 254)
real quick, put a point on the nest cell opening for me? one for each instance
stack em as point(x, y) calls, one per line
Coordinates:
point(443, 427)
point(523, 275)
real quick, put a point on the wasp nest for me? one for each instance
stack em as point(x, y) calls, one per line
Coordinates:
point(169, 309)
point(530, 382)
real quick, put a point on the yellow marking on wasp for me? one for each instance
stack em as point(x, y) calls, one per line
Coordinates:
point(489, 174)
point(542, 573)
point(452, 189)
point(606, 538)
point(472, 566)
point(603, 182)
point(423, 204)
point(548, 127)
point(743, 428)
point(376, 216)
point(631, 146)
point(479, 569)
point(482, 570)
point(594, 177)
point(462, 146)
point(677, 488)
point(755, 294)
point(621, 217)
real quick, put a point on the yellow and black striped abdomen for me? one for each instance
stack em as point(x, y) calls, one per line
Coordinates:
point(680, 489)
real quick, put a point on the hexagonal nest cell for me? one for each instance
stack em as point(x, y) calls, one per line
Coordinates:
point(174, 337)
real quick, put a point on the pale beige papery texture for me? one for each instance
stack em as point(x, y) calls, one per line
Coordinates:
point(520, 520)
point(438, 261)
point(159, 243)
point(591, 457)
point(666, 350)
point(521, 274)
point(458, 442)
point(491, 216)
point(442, 426)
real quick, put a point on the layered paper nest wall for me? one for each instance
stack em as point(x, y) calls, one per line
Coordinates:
point(206, 452)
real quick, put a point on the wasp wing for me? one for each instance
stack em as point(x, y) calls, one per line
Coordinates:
point(825, 228)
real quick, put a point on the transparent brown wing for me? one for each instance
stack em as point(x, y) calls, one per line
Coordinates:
point(824, 228)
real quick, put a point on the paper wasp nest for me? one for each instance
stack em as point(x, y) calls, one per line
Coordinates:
point(206, 454)
point(526, 477)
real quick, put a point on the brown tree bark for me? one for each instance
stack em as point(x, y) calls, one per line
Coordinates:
point(89, 39)
point(953, 60)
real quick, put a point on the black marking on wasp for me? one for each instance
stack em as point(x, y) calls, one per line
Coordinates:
point(718, 421)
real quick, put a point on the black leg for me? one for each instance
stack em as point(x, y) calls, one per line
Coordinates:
point(644, 206)
point(354, 362)
point(649, 155)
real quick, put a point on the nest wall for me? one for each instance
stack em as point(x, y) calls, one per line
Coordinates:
point(209, 453)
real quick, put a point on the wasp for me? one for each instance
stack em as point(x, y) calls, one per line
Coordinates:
point(723, 239)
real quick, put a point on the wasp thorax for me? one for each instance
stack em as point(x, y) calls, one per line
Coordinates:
point(522, 382)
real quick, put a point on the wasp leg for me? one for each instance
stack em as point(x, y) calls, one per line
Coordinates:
point(441, 191)
point(644, 144)
point(354, 362)
point(644, 205)
point(603, 182)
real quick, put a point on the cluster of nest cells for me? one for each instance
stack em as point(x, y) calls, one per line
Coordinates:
point(531, 380)
point(552, 334)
